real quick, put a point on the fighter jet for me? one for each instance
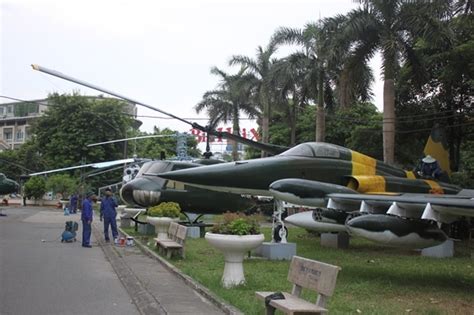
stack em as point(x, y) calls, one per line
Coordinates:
point(320, 163)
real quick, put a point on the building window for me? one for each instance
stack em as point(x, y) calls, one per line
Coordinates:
point(2, 110)
point(20, 135)
point(9, 109)
point(7, 135)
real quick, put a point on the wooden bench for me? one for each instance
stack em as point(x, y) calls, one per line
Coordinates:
point(175, 241)
point(309, 274)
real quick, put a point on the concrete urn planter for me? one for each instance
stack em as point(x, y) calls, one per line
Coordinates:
point(161, 225)
point(120, 209)
point(234, 248)
point(131, 212)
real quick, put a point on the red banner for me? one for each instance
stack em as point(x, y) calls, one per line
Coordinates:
point(251, 134)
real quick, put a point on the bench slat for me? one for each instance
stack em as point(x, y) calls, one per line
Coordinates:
point(171, 245)
point(292, 304)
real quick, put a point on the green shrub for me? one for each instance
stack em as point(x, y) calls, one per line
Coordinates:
point(35, 187)
point(236, 224)
point(165, 209)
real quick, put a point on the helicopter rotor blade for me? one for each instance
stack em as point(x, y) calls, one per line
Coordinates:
point(270, 148)
point(98, 88)
point(133, 138)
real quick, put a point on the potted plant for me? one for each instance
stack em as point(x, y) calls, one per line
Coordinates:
point(161, 216)
point(234, 234)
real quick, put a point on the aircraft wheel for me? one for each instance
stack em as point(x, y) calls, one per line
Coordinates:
point(279, 233)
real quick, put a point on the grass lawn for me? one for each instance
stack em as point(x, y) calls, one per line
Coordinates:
point(373, 279)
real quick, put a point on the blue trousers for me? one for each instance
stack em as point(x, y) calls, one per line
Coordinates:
point(113, 225)
point(86, 233)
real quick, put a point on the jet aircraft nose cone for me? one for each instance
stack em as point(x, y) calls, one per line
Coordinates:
point(142, 192)
point(198, 175)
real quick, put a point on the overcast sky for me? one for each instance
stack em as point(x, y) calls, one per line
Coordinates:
point(157, 52)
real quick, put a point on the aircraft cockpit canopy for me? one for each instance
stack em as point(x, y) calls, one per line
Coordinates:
point(2, 176)
point(316, 149)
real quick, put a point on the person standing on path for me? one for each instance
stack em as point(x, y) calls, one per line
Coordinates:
point(86, 217)
point(73, 203)
point(109, 214)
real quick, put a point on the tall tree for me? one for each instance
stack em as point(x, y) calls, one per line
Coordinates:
point(289, 81)
point(445, 93)
point(391, 27)
point(72, 122)
point(260, 67)
point(311, 39)
point(232, 98)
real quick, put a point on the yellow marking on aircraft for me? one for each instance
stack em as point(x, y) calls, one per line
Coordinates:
point(410, 174)
point(364, 184)
point(435, 187)
point(362, 164)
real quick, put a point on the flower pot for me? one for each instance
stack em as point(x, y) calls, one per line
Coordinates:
point(161, 225)
point(234, 248)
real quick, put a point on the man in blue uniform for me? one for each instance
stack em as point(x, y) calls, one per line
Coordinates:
point(73, 203)
point(86, 217)
point(109, 214)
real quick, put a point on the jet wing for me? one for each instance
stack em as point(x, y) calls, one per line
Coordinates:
point(95, 165)
point(441, 208)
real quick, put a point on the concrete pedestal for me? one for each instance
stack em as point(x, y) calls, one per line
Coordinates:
point(443, 250)
point(335, 240)
point(276, 251)
point(193, 232)
point(146, 229)
point(125, 222)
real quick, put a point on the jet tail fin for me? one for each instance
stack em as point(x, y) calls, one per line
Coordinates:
point(437, 147)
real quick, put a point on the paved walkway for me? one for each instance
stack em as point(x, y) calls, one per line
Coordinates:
point(57, 278)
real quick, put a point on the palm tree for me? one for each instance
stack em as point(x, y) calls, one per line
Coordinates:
point(260, 67)
point(289, 80)
point(350, 74)
point(311, 39)
point(228, 101)
point(327, 52)
point(389, 26)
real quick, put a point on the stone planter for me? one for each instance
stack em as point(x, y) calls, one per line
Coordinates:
point(131, 212)
point(128, 213)
point(64, 203)
point(120, 209)
point(234, 248)
point(161, 225)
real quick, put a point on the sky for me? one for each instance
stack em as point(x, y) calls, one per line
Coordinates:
point(157, 52)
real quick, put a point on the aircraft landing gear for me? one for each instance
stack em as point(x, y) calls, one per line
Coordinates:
point(279, 230)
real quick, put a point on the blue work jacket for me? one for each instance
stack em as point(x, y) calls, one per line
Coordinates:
point(86, 210)
point(107, 207)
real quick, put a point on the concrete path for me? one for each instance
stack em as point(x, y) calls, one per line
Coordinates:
point(51, 277)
